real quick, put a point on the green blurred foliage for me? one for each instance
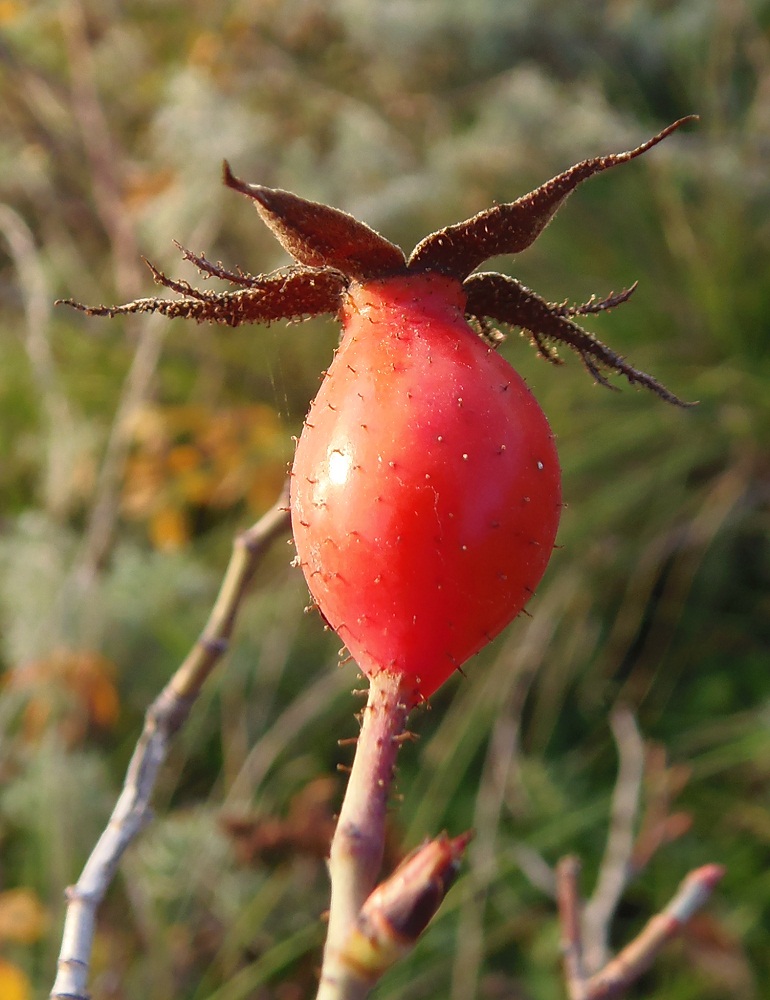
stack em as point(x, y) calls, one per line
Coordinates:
point(114, 120)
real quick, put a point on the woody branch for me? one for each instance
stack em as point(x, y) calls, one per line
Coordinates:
point(164, 718)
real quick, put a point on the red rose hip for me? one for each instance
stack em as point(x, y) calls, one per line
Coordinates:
point(425, 491)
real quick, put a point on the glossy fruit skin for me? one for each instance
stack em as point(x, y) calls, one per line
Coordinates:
point(425, 490)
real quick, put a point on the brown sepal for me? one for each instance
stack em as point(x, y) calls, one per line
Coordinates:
point(320, 236)
point(501, 298)
point(282, 295)
point(513, 226)
point(332, 248)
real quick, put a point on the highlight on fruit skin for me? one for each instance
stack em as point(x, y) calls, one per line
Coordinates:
point(331, 249)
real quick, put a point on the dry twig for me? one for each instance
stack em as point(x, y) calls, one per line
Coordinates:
point(105, 160)
point(622, 971)
point(54, 404)
point(615, 869)
point(164, 718)
point(589, 970)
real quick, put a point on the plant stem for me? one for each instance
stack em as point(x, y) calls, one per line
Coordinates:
point(617, 976)
point(357, 848)
point(568, 897)
point(164, 718)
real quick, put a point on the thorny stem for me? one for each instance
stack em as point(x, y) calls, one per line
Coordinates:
point(164, 718)
point(357, 847)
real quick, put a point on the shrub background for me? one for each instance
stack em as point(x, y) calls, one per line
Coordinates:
point(131, 452)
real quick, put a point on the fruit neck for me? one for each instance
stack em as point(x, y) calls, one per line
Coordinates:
point(433, 296)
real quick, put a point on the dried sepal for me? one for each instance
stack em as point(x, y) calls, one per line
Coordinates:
point(320, 236)
point(505, 300)
point(595, 305)
point(210, 270)
point(332, 249)
point(486, 329)
point(513, 226)
point(282, 295)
